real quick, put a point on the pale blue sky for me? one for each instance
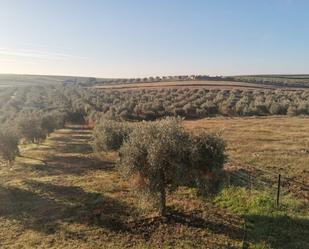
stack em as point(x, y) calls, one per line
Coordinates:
point(133, 38)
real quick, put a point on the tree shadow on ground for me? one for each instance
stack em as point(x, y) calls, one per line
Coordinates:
point(44, 207)
point(79, 128)
point(71, 165)
point(71, 145)
point(69, 154)
point(246, 178)
point(282, 231)
point(277, 230)
point(149, 226)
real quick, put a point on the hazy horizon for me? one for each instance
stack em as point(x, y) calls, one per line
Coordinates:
point(122, 39)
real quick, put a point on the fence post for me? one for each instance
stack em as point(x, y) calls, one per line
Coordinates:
point(244, 238)
point(278, 190)
point(250, 183)
point(229, 179)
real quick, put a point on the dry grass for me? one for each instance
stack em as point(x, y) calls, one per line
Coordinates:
point(58, 195)
point(275, 144)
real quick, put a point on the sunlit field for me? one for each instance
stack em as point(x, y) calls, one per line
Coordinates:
point(275, 144)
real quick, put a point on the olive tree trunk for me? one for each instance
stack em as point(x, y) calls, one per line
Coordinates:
point(162, 195)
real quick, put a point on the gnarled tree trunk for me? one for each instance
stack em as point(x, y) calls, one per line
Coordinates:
point(162, 195)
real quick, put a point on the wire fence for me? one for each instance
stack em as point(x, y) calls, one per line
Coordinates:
point(278, 183)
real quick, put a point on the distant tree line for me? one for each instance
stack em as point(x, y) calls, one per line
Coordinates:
point(151, 79)
point(280, 81)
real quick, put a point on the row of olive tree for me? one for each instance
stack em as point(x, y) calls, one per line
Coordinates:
point(29, 114)
point(151, 104)
point(154, 104)
point(162, 156)
point(29, 128)
point(34, 127)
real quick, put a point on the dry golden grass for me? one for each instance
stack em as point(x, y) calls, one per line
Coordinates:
point(275, 144)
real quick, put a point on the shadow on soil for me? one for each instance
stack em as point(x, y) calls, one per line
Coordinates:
point(71, 165)
point(281, 232)
point(69, 154)
point(278, 231)
point(44, 207)
point(147, 227)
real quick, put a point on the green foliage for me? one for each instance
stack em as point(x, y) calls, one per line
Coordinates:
point(51, 122)
point(196, 103)
point(163, 156)
point(30, 128)
point(8, 146)
point(207, 157)
point(156, 152)
point(110, 135)
point(78, 104)
point(268, 226)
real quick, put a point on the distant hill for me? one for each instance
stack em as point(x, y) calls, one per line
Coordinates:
point(27, 80)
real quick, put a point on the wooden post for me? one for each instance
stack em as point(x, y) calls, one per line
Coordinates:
point(162, 195)
point(278, 190)
point(244, 238)
point(228, 179)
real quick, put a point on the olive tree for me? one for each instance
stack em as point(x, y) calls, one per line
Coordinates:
point(8, 146)
point(51, 122)
point(30, 128)
point(156, 153)
point(163, 156)
point(109, 135)
point(207, 157)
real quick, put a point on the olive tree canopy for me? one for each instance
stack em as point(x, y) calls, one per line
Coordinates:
point(164, 155)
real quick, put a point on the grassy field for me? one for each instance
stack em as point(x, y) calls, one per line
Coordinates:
point(61, 195)
point(270, 144)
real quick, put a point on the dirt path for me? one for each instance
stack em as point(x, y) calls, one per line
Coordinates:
point(58, 195)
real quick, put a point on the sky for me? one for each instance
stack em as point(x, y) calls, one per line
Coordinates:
point(137, 38)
